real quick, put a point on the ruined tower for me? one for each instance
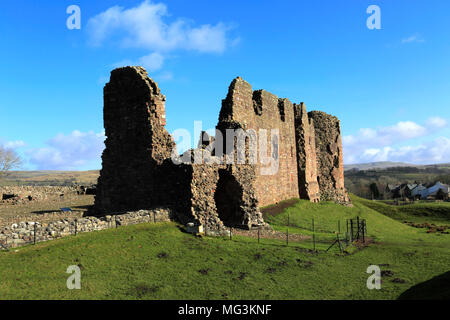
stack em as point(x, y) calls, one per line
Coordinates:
point(141, 169)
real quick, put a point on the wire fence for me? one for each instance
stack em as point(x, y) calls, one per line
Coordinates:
point(314, 238)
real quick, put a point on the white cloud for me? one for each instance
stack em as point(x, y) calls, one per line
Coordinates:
point(379, 144)
point(145, 27)
point(414, 38)
point(68, 152)
point(152, 62)
point(13, 144)
point(431, 152)
point(385, 136)
point(437, 122)
point(165, 76)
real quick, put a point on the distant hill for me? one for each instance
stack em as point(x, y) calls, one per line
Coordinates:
point(378, 165)
point(50, 178)
point(358, 178)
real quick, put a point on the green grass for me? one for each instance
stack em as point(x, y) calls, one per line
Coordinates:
point(158, 261)
point(438, 213)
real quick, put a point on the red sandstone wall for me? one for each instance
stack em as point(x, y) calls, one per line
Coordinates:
point(263, 110)
point(307, 157)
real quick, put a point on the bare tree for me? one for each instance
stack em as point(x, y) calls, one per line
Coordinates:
point(9, 160)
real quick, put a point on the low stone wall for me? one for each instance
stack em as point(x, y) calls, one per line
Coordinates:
point(35, 193)
point(43, 218)
point(28, 232)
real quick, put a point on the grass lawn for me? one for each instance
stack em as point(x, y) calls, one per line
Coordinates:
point(158, 261)
point(437, 212)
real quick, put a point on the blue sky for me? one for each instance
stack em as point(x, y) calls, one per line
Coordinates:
point(389, 87)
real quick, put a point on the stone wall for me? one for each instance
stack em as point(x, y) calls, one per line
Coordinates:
point(330, 158)
point(22, 233)
point(218, 195)
point(41, 218)
point(136, 145)
point(262, 110)
point(23, 194)
point(306, 154)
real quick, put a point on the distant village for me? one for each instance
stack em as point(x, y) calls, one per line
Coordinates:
point(416, 191)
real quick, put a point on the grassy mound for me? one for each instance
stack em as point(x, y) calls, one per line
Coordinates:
point(158, 261)
point(438, 213)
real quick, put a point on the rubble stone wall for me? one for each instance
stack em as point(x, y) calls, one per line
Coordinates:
point(22, 233)
point(329, 157)
point(35, 193)
point(41, 218)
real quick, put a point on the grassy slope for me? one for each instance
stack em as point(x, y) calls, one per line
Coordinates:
point(124, 264)
point(438, 213)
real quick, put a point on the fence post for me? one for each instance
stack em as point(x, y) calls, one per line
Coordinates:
point(364, 231)
point(231, 233)
point(314, 235)
point(351, 230)
point(287, 232)
point(287, 237)
point(259, 227)
point(365, 226)
point(358, 228)
point(76, 226)
point(35, 227)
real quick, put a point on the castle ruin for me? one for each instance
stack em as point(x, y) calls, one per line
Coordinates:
point(139, 171)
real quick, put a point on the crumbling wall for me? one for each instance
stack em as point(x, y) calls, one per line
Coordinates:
point(306, 154)
point(136, 145)
point(219, 195)
point(330, 165)
point(257, 110)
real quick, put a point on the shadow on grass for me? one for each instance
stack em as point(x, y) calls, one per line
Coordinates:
point(278, 208)
point(437, 288)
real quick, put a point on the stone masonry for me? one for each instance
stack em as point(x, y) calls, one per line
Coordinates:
point(330, 158)
point(139, 171)
point(33, 231)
